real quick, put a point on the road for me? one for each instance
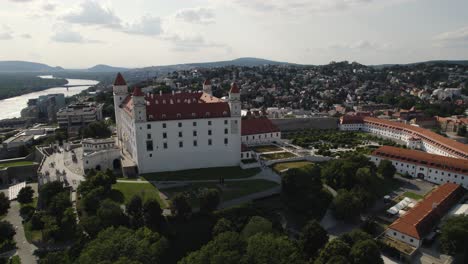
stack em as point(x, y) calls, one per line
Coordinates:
point(25, 249)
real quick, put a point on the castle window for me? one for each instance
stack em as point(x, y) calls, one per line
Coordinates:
point(148, 126)
point(194, 123)
point(194, 133)
point(209, 132)
point(180, 124)
point(164, 135)
point(226, 131)
point(165, 145)
point(195, 143)
point(209, 123)
point(148, 136)
point(179, 115)
point(149, 145)
point(180, 133)
point(225, 122)
point(164, 125)
point(226, 141)
point(181, 144)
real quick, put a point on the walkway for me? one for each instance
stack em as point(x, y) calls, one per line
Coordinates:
point(24, 250)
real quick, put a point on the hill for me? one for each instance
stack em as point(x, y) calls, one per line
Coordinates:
point(26, 66)
point(106, 68)
point(444, 62)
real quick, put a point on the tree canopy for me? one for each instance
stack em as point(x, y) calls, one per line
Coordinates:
point(25, 195)
point(454, 235)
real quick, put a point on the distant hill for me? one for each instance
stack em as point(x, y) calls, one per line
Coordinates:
point(445, 62)
point(106, 68)
point(26, 66)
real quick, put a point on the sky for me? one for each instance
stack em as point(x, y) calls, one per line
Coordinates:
point(137, 33)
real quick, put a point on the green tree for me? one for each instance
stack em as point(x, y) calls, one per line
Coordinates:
point(7, 230)
point(386, 169)
point(134, 209)
point(346, 205)
point(55, 257)
point(4, 203)
point(221, 226)
point(180, 206)
point(454, 235)
point(226, 248)
point(335, 247)
point(91, 225)
point(58, 204)
point(366, 252)
point(312, 238)
point(152, 213)
point(25, 195)
point(268, 248)
point(257, 224)
point(110, 214)
point(97, 129)
point(68, 225)
point(461, 131)
point(114, 243)
point(209, 200)
point(355, 236)
point(338, 260)
point(50, 190)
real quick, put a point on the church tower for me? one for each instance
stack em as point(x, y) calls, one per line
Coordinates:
point(234, 100)
point(207, 87)
point(139, 105)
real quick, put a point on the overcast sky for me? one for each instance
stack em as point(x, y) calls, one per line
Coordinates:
point(77, 34)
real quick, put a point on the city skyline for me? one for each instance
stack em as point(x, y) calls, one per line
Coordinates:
point(80, 34)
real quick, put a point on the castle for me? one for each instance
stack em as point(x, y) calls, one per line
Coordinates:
point(183, 130)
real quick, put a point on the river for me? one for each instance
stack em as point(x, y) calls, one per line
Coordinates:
point(11, 107)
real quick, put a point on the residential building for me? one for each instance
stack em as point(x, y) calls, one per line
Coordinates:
point(79, 115)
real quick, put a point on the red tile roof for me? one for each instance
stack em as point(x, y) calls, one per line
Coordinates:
point(420, 220)
point(351, 119)
point(119, 80)
point(234, 88)
point(260, 125)
point(180, 106)
point(456, 148)
point(137, 92)
point(422, 158)
point(207, 82)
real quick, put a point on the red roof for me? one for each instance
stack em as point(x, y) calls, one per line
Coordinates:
point(181, 106)
point(348, 119)
point(422, 158)
point(207, 82)
point(119, 80)
point(420, 220)
point(137, 92)
point(260, 125)
point(234, 88)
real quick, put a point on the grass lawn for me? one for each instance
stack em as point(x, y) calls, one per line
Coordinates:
point(15, 260)
point(267, 148)
point(15, 164)
point(231, 190)
point(280, 155)
point(202, 174)
point(146, 191)
point(33, 204)
point(278, 167)
point(32, 235)
point(413, 195)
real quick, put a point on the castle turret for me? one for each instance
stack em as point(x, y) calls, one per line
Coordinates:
point(120, 90)
point(139, 105)
point(234, 100)
point(207, 87)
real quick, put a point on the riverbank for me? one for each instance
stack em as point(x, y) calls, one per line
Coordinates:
point(17, 84)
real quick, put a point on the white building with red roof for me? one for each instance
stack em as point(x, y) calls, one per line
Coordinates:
point(181, 131)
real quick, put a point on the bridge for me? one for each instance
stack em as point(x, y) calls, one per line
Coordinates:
point(76, 85)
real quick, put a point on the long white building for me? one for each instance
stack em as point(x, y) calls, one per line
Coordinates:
point(180, 131)
point(415, 137)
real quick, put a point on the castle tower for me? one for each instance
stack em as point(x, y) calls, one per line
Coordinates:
point(207, 87)
point(120, 89)
point(139, 105)
point(234, 100)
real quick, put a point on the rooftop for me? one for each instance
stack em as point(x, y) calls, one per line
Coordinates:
point(262, 125)
point(420, 220)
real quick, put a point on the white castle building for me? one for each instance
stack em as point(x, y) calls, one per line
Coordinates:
point(180, 131)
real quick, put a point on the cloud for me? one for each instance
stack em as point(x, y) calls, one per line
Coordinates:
point(69, 36)
point(190, 43)
point(21, 1)
point(91, 13)
point(147, 26)
point(26, 36)
point(450, 38)
point(361, 45)
point(6, 33)
point(198, 15)
point(48, 7)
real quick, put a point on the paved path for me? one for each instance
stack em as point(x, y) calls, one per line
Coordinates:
point(25, 250)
